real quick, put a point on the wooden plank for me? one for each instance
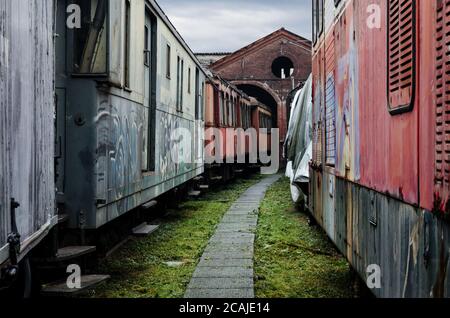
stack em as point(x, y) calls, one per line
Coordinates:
point(26, 115)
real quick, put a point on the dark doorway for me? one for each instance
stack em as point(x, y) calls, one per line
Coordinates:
point(264, 97)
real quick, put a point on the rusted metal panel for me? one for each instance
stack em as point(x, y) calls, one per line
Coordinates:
point(26, 120)
point(389, 143)
point(347, 98)
point(427, 126)
point(410, 246)
point(391, 167)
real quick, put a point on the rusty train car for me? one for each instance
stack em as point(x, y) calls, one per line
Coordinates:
point(235, 123)
point(380, 174)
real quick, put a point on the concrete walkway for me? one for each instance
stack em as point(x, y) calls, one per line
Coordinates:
point(226, 267)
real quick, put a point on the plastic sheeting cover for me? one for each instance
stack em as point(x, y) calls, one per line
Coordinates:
point(298, 144)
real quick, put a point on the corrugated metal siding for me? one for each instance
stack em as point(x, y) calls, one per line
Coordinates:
point(366, 230)
point(26, 115)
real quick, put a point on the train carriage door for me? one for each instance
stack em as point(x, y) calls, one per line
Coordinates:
point(148, 156)
point(198, 114)
point(60, 98)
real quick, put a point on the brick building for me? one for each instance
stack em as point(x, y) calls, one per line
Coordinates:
point(269, 69)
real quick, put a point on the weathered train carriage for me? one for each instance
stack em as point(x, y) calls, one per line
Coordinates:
point(262, 122)
point(227, 110)
point(126, 81)
point(379, 176)
point(27, 199)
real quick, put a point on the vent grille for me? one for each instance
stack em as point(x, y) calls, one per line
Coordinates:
point(330, 103)
point(443, 94)
point(401, 53)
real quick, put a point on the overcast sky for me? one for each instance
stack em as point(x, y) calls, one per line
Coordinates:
point(228, 25)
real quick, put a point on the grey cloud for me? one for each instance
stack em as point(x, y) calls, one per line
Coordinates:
point(211, 25)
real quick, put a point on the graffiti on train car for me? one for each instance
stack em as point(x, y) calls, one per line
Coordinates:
point(244, 146)
point(119, 130)
point(347, 123)
point(176, 143)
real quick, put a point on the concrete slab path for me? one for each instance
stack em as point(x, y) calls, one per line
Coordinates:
point(226, 267)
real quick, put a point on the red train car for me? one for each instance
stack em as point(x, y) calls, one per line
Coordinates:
point(380, 174)
point(261, 121)
point(234, 124)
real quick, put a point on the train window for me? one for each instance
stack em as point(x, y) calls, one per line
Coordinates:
point(318, 16)
point(180, 83)
point(314, 29)
point(168, 60)
point(147, 51)
point(401, 55)
point(198, 94)
point(202, 102)
point(128, 42)
point(150, 78)
point(221, 108)
point(90, 40)
point(189, 80)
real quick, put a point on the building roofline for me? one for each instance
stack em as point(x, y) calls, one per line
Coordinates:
point(297, 39)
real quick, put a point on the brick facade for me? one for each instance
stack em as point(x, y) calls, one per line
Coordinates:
point(252, 65)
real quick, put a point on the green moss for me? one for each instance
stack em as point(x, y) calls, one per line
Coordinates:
point(139, 269)
point(292, 259)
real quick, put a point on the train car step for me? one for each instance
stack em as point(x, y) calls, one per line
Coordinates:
point(144, 229)
point(194, 194)
point(149, 205)
point(71, 252)
point(62, 288)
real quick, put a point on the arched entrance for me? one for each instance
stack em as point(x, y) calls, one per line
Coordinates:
point(264, 95)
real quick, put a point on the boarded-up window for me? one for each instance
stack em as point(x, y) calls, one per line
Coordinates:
point(442, 92)
point(401, 55)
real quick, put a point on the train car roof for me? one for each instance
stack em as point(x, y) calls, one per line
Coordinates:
point(162, 15)
point(217, 77)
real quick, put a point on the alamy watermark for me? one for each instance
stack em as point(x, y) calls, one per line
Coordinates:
point(74, 279)
point(373, 280)
point(230, 145)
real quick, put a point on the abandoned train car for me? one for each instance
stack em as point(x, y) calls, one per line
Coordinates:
point(27, 197)
point(380, 172)
point(125, 81)
point(242, 122)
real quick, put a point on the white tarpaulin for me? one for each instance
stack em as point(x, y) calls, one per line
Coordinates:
point(298, 145)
